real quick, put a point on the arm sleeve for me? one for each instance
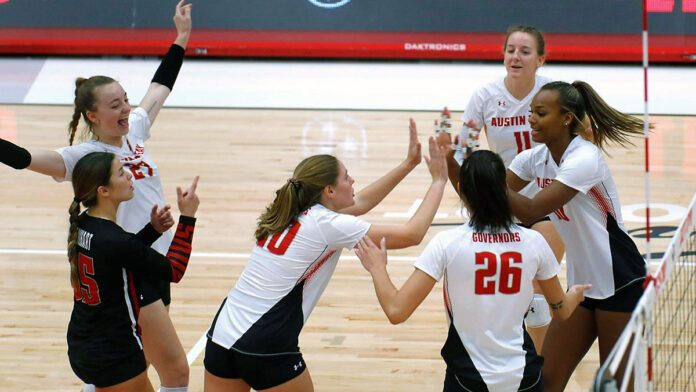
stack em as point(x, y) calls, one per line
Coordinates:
point(140, 258)
point(474, 109)
point(139, 124)
point(343, 231)
point(582, 170)
point(523, 165)
point(148, 235)
point(433, 259)
point(72, 154)
point(547, 266)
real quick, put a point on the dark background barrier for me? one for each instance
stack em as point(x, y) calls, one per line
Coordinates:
point(595, 30)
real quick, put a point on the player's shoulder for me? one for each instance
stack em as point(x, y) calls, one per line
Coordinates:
point(454, 235)
point(581, 149)
point(492, 88)
point(540, 80)
point(102, 232)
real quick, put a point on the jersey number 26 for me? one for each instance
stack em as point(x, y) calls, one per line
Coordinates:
point(509, 278)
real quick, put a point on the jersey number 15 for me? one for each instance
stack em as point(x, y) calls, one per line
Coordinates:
point(87, 291)
point(508, 279)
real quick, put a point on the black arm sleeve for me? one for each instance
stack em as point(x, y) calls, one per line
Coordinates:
point(148, 235)
point(142, 259)
point(13, 155)
point(169, 68)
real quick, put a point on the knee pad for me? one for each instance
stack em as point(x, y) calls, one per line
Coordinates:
point(538, 314)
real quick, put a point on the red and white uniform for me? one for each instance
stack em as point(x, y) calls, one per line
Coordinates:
point(282, 282)
point(487, 290)
point(135, 213)
point(598, 248)
point(504, 116)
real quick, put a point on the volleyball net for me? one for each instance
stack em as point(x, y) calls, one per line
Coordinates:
point(657, 350)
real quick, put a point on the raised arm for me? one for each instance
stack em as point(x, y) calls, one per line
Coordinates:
point(140, 257)
point(414, 230)
point(397, 304)
point(166, 74)
point(374, 193)
point(562, 303)
point(44, 162)
point(444, 140)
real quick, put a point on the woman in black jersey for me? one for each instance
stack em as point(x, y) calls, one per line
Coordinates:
point(104, 345)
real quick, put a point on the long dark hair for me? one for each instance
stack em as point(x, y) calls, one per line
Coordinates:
point(91, 171)
point(299, 193)
point(607, 123)
point(482, 187)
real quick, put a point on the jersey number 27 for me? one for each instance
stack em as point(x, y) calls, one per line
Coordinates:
point(508, 279)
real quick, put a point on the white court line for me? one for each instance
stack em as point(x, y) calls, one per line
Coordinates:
point(197, 349)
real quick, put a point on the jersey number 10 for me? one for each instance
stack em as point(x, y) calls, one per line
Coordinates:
point(280, 248)
point(509, 278)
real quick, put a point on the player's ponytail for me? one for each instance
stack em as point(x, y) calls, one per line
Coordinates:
point(91, 171)
point(299, 192)
point(484, 191)
point(607, 122)
point(85, 100)
point(580, 99)
point(74, 212)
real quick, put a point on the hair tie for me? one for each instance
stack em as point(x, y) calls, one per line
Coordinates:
point(76, 200)
point(295, 183)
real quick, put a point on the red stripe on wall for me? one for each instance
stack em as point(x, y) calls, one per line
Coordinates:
point(333, 44)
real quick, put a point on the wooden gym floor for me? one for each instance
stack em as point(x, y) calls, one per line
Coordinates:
point(242, 156)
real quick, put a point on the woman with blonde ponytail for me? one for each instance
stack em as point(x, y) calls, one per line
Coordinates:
point(104, 346)
point(576, 189)
point(253, 341)
point(102, 105)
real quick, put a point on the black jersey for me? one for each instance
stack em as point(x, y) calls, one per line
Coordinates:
point(103, 326)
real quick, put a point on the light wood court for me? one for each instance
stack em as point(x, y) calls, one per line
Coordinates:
point(242, 156)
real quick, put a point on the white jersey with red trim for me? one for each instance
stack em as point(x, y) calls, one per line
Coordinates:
point(598, 248)
point(487, 290)
point(135, 213)
point(504, 117)
point(282, 282)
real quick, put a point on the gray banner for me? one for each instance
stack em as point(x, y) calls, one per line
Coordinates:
point(552, 16)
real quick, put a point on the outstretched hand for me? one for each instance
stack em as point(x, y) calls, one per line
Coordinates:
point(413, 158)
point(188, 200)
point(437, 164)
point(182, 18)
point(370, 255)
point(161, 220)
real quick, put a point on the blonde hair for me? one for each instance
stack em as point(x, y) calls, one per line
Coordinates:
point(84, 101)
point(300, 192)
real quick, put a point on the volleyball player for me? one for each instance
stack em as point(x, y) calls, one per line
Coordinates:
point(500, 109)
point(104, 343)
point(577, 191)
point(113, 127)
point(253, 340)
point(488, 265)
